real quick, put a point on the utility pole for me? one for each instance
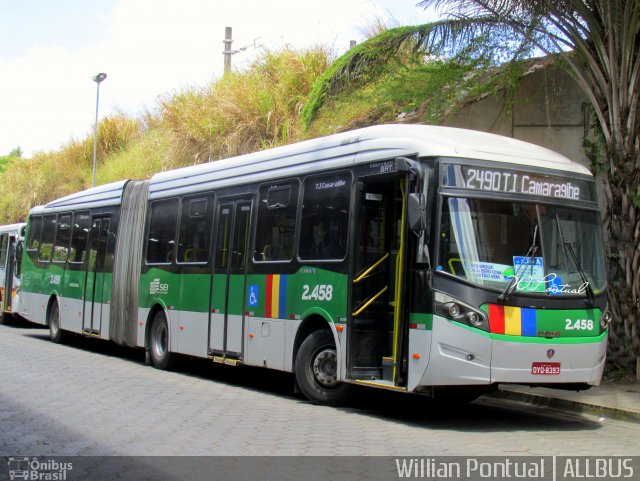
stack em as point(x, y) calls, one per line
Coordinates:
point(97, 79)
point(227, 49)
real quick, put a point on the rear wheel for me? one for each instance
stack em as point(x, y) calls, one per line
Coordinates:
point(161, 357)
point(317, 370)
point(56, 334)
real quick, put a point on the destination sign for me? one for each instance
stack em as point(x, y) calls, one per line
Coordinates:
point(517, 182)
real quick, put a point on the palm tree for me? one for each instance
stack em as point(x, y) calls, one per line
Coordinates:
point(598, 41)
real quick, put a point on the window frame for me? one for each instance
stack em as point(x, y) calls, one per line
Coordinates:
point(86, 241)
point(30, 236)
point(276, 184)
point(210, 198)
point(53, 239)
point(4, 249)
point(175, 232)
point(55, 242)
point(347, 173)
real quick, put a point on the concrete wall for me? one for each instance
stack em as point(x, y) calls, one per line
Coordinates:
point(549, 110)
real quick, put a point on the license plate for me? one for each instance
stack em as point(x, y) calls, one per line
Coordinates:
point(545, 368)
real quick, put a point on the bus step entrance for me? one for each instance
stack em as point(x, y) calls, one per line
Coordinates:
point(226, 360)
point(372, 348)
point(388, 364)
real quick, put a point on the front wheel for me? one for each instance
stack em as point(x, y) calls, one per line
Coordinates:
point(161, 357)
point(317, 370)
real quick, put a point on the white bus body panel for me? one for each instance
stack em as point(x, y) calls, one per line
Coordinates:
point(71, 314)
point(266, 343)
point(458, 353)
point(34, 307)
point(192, 333)
point(577, 362)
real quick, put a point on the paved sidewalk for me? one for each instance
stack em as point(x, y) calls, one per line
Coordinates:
point(617, 400)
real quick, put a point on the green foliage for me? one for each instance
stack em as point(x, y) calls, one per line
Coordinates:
point(49, 175)
point(405, 47)
point(418, 90)
point(243, 112)
point(360, 64)
point(6, 159)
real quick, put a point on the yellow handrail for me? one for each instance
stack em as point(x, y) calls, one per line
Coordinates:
point(397, 308)
point(367, 303)
point(368, 271)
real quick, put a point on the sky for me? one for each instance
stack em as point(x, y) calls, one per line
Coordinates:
point(51, 50)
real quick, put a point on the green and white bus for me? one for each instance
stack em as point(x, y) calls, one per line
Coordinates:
point(413, 258)
point(11, 237)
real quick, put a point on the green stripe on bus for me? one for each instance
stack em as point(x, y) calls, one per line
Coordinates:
point(421, 319)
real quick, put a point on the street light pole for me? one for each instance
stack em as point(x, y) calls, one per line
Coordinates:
point(97, 79)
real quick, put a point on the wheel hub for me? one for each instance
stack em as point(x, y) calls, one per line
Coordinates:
point(325, 367)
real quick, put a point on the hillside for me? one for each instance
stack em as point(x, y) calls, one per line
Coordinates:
point(283, 97)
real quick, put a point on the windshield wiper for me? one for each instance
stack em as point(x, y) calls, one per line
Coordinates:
point(569, 248)
point(505, 295)
point(585, 282)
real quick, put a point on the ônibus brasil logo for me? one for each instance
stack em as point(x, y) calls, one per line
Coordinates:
point(25, 467)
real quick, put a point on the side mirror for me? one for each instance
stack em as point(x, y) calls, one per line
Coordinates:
point(417, 210)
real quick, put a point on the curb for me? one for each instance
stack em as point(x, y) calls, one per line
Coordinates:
point(567, 405)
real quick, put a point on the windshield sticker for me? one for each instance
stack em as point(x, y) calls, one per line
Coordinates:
point(555, 285)
point(489, 271)
point(530, 273)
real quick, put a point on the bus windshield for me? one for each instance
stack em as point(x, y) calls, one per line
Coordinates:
point(537, 249)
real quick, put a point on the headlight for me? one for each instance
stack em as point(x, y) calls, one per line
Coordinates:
point(453, 310)
point(458, 311)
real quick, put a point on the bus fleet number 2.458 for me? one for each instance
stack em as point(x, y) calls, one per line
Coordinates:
point(319, 292)
point(579, 325)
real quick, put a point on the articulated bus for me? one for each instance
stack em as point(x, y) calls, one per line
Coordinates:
point(413, 258)
point(11, 237)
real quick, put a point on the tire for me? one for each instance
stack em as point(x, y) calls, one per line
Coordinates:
point(316, 370)
point(161, 356)
point(56, 334)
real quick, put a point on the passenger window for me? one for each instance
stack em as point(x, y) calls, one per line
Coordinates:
point(63, 236)
point(162, 232)
point(35, 229)
point(195, 229)
point(276, 223)
point(48, 233)
point(4, 243)
point(325, 217)
point(80, 232)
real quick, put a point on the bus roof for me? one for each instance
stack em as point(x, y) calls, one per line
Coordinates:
point(102, 195)
point(355, 147)
point(342, 150)
point(11, 227)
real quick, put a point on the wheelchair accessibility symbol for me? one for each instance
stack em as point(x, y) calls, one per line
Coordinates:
point(253, 295)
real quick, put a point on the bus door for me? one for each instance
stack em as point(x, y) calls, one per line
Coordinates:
point(7, 296)
point(228, 287)
point(377, 280)
point(95, 309)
